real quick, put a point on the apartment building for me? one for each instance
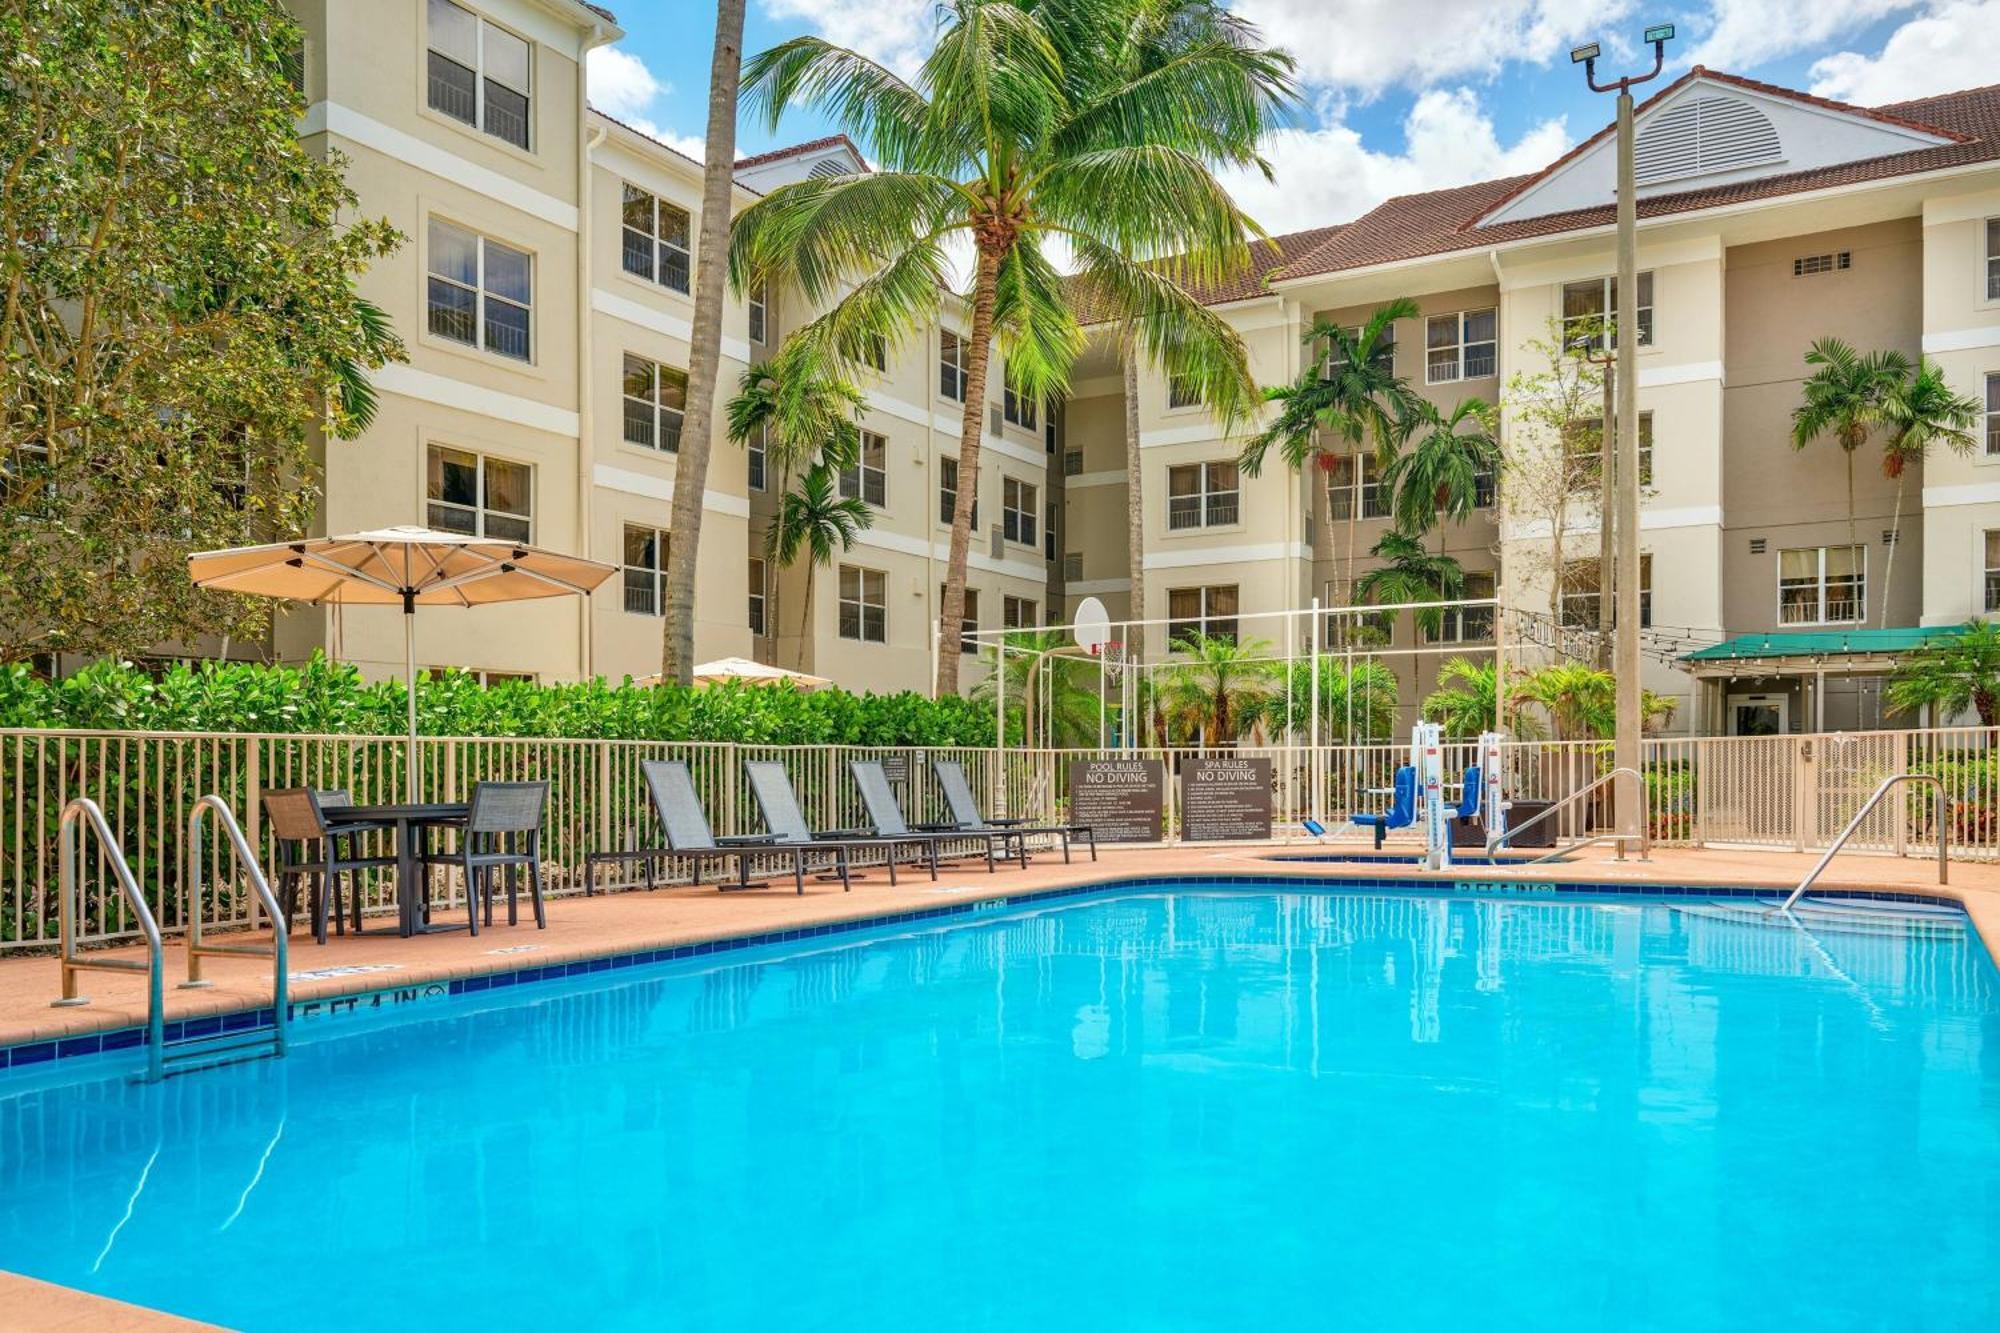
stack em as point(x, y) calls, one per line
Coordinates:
point(1768, 219)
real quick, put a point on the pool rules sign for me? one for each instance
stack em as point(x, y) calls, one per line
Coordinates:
point(1225, 799)
point(1123, 800)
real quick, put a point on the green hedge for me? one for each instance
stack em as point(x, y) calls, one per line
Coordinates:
point(327, 697)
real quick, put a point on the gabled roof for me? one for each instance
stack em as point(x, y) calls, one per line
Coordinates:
point(810, 146)
point(1443, 221)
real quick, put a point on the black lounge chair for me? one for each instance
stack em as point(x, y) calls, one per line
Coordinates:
point(966, 818)
point(885, 814)
point(690, 839)
point(779, 803)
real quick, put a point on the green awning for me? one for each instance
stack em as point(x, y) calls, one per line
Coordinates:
point(1824, 643)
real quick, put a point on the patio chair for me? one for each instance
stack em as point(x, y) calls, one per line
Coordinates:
point(502, 831)
point(885, 815)
point(965, 816)
point(691, 839)
point(779, 803)
point(306, 846)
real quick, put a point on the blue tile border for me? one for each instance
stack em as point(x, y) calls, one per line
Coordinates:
point(117, 1039)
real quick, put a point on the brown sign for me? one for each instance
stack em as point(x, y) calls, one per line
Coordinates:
point(1123, 800)
point(1225, 799)
point(895, 767)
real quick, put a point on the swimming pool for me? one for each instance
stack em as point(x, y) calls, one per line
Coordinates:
point(1157, 1108)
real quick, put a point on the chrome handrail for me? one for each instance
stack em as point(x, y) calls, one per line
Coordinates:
point(1893, 780)
point(278, 952)
point(83, 809)
point(1642, 837)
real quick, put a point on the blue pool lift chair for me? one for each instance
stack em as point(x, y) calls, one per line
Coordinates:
point(1402, 811)
point(1469, 794)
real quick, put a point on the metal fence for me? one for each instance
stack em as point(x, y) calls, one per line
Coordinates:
point(1790, 792)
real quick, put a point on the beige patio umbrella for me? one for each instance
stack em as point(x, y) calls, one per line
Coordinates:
point(725, 669)
point(407, 567)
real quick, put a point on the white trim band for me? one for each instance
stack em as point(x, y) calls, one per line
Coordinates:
point(333, 118)
point(409, 382)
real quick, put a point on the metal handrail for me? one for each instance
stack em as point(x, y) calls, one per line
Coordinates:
point(1643, 837)
point(83, 809)
point(1562, 854)
point(278, 951)
point(1893, 780)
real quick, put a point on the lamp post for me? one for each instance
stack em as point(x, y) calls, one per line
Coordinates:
point(1625, 329)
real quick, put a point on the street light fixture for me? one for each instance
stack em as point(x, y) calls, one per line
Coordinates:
point(1624, 326)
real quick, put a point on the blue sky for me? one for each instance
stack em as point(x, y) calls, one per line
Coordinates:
point(1402, 95)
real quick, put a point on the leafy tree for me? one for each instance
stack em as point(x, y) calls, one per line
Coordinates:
point(1353, 709)
point(1219, 688)
point(815, 520)
point(1844, 398)
point(1547, 409)
point(1027, 124)
point(718, 184)
point(178, 314)
point(1411, 574)
point(1950, 676)
point(1918, 412)
point(1347, 396)
point(1437, 474)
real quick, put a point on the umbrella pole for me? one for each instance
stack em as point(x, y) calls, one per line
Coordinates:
point(410, 697)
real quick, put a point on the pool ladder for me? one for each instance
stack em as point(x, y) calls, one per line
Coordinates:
point(164, 1059)
point(1940, 807)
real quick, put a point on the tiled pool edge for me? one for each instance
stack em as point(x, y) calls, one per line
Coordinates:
point(111, 1040)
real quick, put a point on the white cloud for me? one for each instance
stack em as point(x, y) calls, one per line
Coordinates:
point(1327, 175)
point(1748, 32)
point(1954, 45)
point(896, 33)
point(623, 88)
point(1372, 45)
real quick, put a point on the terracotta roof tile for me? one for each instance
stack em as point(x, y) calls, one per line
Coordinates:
point(1266, 258)
point(810, 146)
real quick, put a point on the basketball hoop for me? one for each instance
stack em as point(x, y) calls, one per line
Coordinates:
point(1112, 653)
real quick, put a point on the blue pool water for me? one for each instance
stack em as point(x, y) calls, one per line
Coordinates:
point(1198, 1109)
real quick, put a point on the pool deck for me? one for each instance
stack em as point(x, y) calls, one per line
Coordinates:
point(621, 923)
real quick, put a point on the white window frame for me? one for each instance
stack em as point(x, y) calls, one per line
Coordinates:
point(862, 603)
point(1019, 612)
point(1586, 602)
point(659, 415)
point(1182, 395)
point(1583, 462)
point(864, 481)
point(1990, 558)
point(1460, 347)
point(1369, 497)
point(1016, 407)
point(1207, 498)
point(1993, 414)
point(758, 610)
point(945, 506)
point(658, 247)
point(1470, 624)
point(479, 80)
point(952, 372)
point(1020, 511)
point(758, 309)
point(654, 575)
point(968, 620)
point(1385, 349)
point(482, 511)
point(757, 459)
point(1648, 332)
point(480, 295)
point(1206, 617)
point(1823, 600)
point(1993, 259)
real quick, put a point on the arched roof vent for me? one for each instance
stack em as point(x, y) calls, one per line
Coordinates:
point(827, 168)
point(1702, 136)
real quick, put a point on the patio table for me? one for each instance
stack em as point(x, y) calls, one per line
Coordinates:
point(410, 822)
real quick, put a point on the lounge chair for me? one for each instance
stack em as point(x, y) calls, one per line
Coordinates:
point(885, 816)
point(965, 816)
point(690, 839)
point(772, 788)
point(1402, 811)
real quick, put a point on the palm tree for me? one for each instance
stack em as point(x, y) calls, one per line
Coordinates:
point(1066, 707)
point(1918, 412)
point(1348, 395)
point(1581, 700)
point(814, 519)
point(1354, 708)
point(1411, 574)
point(1219, 688)
point(718, 183)
point(1437, 474)
point(1024, 125)
point(353, 392)
point(1950, 675)
point(1466, 698)
point(805, 414)
point(1844, 398)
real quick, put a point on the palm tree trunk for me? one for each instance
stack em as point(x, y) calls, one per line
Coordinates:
point(971, 422)
point(1135, 500)
point(1895, 540)
point(718, 179)
point(805, 615)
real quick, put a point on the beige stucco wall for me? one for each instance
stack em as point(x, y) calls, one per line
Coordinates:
point(1961, 332)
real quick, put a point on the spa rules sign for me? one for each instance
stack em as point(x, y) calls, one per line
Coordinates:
point(1123, 800)
point(1225, 800)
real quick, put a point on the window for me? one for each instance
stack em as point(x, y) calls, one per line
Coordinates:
point(1049, 532)
point(1589, 306)
point(655, 399)
point(864, 604)
point(948, 493)
point(1469, 624)
point(478, 72)
point(1017, 511)
point(1201, 495)
point(968, 620)
point(758, 449)
point(951, 365)
point(1017, 406)
point(645, 569)
point(1385, 351)
point(1193, 612)
point(876, 353)
point(655, 239)
point(1993, 259)
point(1485, 488)
point(1072, 462)
point(1019, 613)
point(1461, 346)
point(1992, 599)
point(759, 297)
point(1806, 266)
point(1182, 392)
point(1993, 416)
point(759, 590)
point(1585, 443)
point(479, 496)
point(1823, 585)
point(1072, 569)
point(480, 291)
point(868, 479)
point(1357, 479)
point(1582, 587)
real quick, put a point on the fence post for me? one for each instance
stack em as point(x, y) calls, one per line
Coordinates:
point(1805, 795)
point(1900, 816)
